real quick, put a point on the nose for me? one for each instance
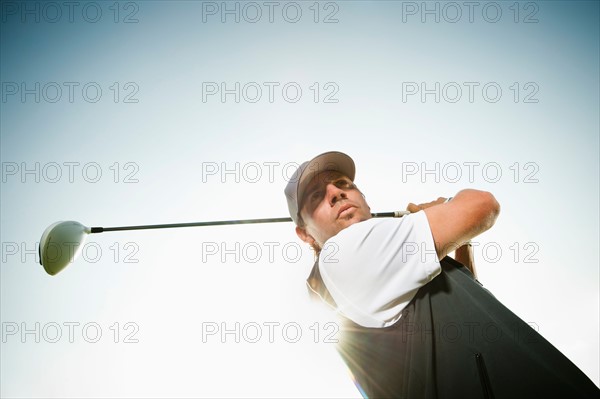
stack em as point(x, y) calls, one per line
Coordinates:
point(334, 194)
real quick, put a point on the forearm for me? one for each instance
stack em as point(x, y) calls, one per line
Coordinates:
point(454, 223)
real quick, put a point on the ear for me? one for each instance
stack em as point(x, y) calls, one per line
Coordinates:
point(304, 236)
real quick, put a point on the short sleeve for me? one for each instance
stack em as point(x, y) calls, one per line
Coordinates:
point(374, 268)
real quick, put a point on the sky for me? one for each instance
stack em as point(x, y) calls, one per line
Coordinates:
point(147, 112)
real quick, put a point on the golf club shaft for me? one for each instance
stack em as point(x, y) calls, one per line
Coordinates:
point(223, 222)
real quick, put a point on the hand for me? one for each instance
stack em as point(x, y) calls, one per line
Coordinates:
point(416, 208)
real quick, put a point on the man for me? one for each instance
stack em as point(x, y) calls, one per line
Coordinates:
point(416, 322)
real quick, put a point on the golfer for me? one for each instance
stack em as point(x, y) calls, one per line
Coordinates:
point(416, 323)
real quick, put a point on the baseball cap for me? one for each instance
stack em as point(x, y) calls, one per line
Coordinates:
point(328, 161)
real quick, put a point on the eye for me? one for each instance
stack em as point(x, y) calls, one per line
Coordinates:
point(315, 196)
point(344, 183)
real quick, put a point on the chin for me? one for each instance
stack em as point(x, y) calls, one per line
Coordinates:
point(352, 219)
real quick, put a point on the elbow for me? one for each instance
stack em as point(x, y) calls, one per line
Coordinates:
point(490, 207)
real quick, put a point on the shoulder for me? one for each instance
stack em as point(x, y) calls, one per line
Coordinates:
point(373, 268)
point(377, 233)
point(377, 247)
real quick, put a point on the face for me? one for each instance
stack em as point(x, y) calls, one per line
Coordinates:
point(331, 202)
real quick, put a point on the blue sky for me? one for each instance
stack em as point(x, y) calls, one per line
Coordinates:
point(108, 118)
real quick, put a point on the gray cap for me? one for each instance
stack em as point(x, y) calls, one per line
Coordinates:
point(333, 160)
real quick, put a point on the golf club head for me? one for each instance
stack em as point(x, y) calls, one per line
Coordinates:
point(60, 245)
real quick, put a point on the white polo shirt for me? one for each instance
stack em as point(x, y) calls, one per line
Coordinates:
point(374, 268)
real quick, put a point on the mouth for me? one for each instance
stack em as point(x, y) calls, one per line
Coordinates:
point(344, 210)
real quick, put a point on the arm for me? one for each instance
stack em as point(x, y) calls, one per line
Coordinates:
point(454, 223)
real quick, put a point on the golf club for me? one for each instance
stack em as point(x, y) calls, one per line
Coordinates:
point(72, 235)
